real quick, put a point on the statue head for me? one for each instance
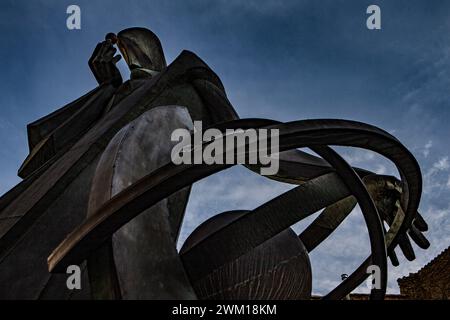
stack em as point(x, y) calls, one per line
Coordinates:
point(140, 48)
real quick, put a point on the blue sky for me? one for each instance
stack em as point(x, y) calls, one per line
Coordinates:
point(284, 60)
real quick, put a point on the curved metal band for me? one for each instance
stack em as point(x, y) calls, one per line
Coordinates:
point(259, 225)
point(360, 274)
point(369, 211)
point(170, 178)
point(411, 177)
point(326, 222)
point(403, 159)
point(368, 137)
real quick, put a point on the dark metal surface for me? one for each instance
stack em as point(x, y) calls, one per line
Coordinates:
point(369, 211)
point(141, 48)
point(170, 178)
point(142, 254)
point(27, 206)
point(261, 224)
point(97, 156)
point(277, 269)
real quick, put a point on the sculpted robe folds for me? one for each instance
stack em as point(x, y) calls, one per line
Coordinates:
point(90, 194)
point(63, 183)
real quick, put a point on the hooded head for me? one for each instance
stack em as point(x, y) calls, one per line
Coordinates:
point(141, 49)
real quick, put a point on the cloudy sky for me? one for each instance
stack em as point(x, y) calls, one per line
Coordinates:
point(284, 60)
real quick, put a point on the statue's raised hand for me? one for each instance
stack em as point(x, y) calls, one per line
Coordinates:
point(103, 64)
point(386, 191)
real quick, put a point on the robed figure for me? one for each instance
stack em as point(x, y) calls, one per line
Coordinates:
point(85, 155)
point(63, 180)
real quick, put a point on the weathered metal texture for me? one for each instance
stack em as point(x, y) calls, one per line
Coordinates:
point(262, 223)
point(309, 195)
point(370, 213)
point(216, 102)
point(41, 128)
point(171, 178)
point(327, 221)
point(24, 206)
point(66, 145)
point(23, 271)
point(141, 48)
point(61, 138)
point(386, 193)
point(144, 250)
point(277, 269)
point(385, 196)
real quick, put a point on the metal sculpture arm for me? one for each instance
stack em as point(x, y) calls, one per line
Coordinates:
point(170, 178)
point(386, 193)
point(297, 167)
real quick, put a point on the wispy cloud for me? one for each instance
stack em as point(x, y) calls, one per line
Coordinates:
point(427, 148)
point(435, 179)
point(441, 165)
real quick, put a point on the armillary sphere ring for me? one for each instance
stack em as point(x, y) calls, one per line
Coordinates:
point(324, 190)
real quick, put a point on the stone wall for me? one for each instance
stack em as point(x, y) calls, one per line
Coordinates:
point(431, 282)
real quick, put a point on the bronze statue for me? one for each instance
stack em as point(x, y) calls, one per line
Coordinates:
point(100, 191)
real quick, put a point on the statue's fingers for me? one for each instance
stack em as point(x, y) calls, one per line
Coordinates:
point(105, 46)
point(392, 255)
point(388, 218)
point(95, 53)
point(98, 70)
point(420, 223)
point(109, 54)
point(406, 247)
point(393, 258)
point(418, 237)
point(116, 58)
